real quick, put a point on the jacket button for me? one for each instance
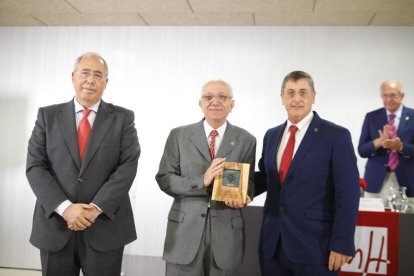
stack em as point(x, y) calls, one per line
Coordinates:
point(203, 215)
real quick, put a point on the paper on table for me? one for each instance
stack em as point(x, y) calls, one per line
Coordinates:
point(371, 204)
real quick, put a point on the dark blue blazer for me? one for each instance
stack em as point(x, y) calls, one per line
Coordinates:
point(315, 210)
point(376, 166)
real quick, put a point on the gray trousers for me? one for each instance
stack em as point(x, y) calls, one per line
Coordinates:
point(76, 255)
point(203, 264)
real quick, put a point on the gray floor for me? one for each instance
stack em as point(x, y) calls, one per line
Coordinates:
point(131, 266)
point(142, 265)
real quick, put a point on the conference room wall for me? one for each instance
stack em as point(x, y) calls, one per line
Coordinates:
point(158, 72)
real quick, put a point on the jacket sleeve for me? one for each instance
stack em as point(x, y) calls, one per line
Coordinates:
point(345, 177)
point(169, 177)
point(39, 174)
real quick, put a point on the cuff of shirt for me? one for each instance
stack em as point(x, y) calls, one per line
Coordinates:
point(62, 207)
point(100, 210)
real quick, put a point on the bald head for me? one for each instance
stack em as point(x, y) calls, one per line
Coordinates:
point(391, 84)
point(392, 95)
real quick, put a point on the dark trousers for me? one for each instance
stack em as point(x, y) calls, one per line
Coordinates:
point(281, 265)
point(77, 255)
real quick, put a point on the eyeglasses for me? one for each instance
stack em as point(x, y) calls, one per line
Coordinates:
point(84, 74)
point(220, 98)
point(391, 96)
point(292, 93)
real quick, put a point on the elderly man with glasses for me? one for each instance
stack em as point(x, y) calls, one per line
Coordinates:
point(205, 237)
point(387, 140)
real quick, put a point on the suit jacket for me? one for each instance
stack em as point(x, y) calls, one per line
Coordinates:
point(376, 166)
point(56, 174)
point(315, 210)
point(181, 175)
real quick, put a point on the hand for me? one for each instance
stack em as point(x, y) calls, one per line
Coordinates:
point(393, 144)
point(80, 216)
point(91, 213)
point(237, 203)
point(215, 168)
point(384, 134)
point(336, 260)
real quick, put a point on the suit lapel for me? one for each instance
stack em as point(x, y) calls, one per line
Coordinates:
point(100, 127)
point(229, 142)
point(67, 123)
point(382, 120)
point(274, 142)
point(199, 140)
point(404, 120)
point(310, 137)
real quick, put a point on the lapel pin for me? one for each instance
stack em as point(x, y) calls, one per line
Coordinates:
point(232, 143)
point(407, 118)
point(315, 129)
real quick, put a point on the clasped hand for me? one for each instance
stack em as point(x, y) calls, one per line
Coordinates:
point(79, 216)
point(386, 142)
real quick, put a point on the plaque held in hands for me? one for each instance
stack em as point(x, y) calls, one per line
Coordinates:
point(232, 182)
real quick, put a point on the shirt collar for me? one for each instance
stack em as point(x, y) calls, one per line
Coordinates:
point(303, 123)
point(220, 130)
point(79, 107)
point(397, 113)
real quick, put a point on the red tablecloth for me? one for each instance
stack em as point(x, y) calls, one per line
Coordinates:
point(376, 245)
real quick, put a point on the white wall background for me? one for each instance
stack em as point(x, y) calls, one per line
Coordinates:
point(158, 73)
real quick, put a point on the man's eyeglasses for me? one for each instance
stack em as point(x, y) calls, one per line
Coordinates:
point(220, 98)
point(84, 74)
point(391, 96)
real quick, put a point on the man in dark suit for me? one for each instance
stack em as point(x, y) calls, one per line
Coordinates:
point(83, 215)
point(309, 169)
point(378, 144)
point(204, 237)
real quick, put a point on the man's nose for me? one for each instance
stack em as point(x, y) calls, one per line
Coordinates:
point(297, 97)
point(90, 79)
point(215, 100)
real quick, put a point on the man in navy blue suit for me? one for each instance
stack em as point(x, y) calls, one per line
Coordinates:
point(311, 207)
point(377, 144)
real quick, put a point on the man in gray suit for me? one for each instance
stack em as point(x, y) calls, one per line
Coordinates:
point(83, 215)
point(205, 237)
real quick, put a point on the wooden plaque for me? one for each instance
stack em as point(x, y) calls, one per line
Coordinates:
point(232, 182)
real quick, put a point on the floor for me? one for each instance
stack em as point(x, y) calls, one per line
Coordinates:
point(132, 266)
point(19, 272)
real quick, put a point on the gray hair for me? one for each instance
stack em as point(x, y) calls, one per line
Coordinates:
point(91, 54)
point(297, 75)
point(220, 82)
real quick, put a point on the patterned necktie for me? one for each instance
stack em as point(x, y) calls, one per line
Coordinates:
point(213, 135)
point(393, 157)
point(287, 154)
point(84, 130)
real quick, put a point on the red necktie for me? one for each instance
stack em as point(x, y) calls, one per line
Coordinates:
point(84, 130)
point(213, 135)
point(393, 157)
point(287, 154)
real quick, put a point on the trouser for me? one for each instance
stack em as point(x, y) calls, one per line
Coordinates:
point(78, 254)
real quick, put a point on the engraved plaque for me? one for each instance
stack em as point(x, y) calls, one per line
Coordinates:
point(232, 183)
